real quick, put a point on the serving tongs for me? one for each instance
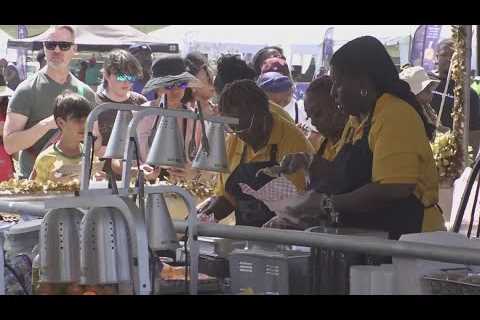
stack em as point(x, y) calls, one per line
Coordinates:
point(192, 147)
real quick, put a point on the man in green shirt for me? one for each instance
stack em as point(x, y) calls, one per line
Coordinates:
point(29, 125)
point(476, 84)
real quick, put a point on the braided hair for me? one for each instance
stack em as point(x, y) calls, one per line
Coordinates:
point(243, 95)
point(322, 84)
point(230, 68)
point(368, 57)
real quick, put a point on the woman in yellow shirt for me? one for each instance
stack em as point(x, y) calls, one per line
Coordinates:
point(333, 126)
point(260, 140)
point(385, 178)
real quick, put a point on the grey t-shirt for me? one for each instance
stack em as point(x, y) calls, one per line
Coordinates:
point(35, 98)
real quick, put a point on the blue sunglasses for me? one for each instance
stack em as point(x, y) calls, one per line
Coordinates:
point(122, 77)
point(182, 85)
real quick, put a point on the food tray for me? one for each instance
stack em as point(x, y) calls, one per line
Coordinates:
point(37, 196)
point(444, 284)
point(163, 287)
point(450, 287)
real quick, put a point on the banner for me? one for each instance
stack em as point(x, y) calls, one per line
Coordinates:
point(299, 90)
point(22, 33)
point(327, 47)
point(423, 47)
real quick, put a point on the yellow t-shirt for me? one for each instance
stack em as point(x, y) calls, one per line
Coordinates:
point(287, 137)
point(277, 109)
point(402, 154)
point(331, 150)
point(51, 164)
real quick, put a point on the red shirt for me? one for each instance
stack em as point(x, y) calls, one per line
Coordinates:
point(6, 164)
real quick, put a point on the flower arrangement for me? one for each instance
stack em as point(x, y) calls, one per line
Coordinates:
point(447, 148)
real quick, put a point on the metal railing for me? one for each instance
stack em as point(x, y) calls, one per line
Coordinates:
point(374, 246)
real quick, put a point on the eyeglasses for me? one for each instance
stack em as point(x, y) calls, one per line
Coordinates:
point(231, 128)
point(63, 45)
point(122, 77)
point(182, 85)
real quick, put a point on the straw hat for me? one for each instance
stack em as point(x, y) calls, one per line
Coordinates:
point(417, 78)
point(4, 90)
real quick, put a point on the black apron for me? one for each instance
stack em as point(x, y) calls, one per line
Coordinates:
point(296, 112)
point(250, 211)
point(352, 169)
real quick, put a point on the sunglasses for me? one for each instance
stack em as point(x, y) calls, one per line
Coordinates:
point(232, 128)
point(63, 45)
point(182, 85)
point(122, 77)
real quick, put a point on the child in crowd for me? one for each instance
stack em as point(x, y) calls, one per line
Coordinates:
point(6, 163)
point(61, 161)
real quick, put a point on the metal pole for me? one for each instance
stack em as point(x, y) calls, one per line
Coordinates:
point(466, 98)
point(478, 48)
point(423, 45)
point(372, 245)
point(88, 140)
point(30, 208)
point(149, 111)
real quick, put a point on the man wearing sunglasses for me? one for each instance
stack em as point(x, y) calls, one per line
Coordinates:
point(30, 126)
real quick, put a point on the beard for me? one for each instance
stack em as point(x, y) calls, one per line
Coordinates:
point(57, 65)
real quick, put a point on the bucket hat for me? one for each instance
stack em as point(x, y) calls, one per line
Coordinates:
point(168, 71)
point(417, 78)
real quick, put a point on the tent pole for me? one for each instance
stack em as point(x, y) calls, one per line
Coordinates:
point(466, 92)
point(478, 48)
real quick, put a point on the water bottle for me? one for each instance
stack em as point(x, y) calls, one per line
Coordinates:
point(35, 273)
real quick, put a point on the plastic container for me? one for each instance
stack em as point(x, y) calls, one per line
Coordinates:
point(213, 266)
point(22, 238)
point(331, 268)
point(35, 273)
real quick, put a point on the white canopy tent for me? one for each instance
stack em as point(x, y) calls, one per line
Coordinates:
point(296, 40)
point(300, 42)
point(8, 54)
point(245, 39)
point(99, 38)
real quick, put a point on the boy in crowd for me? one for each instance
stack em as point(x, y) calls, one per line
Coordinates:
point(61, 161)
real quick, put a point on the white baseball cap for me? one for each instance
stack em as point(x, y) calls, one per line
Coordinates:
point(417, 78)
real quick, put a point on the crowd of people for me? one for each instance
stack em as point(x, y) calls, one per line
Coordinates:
point(358, 146)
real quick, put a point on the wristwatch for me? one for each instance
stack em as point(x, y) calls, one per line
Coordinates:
point(329, 208)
